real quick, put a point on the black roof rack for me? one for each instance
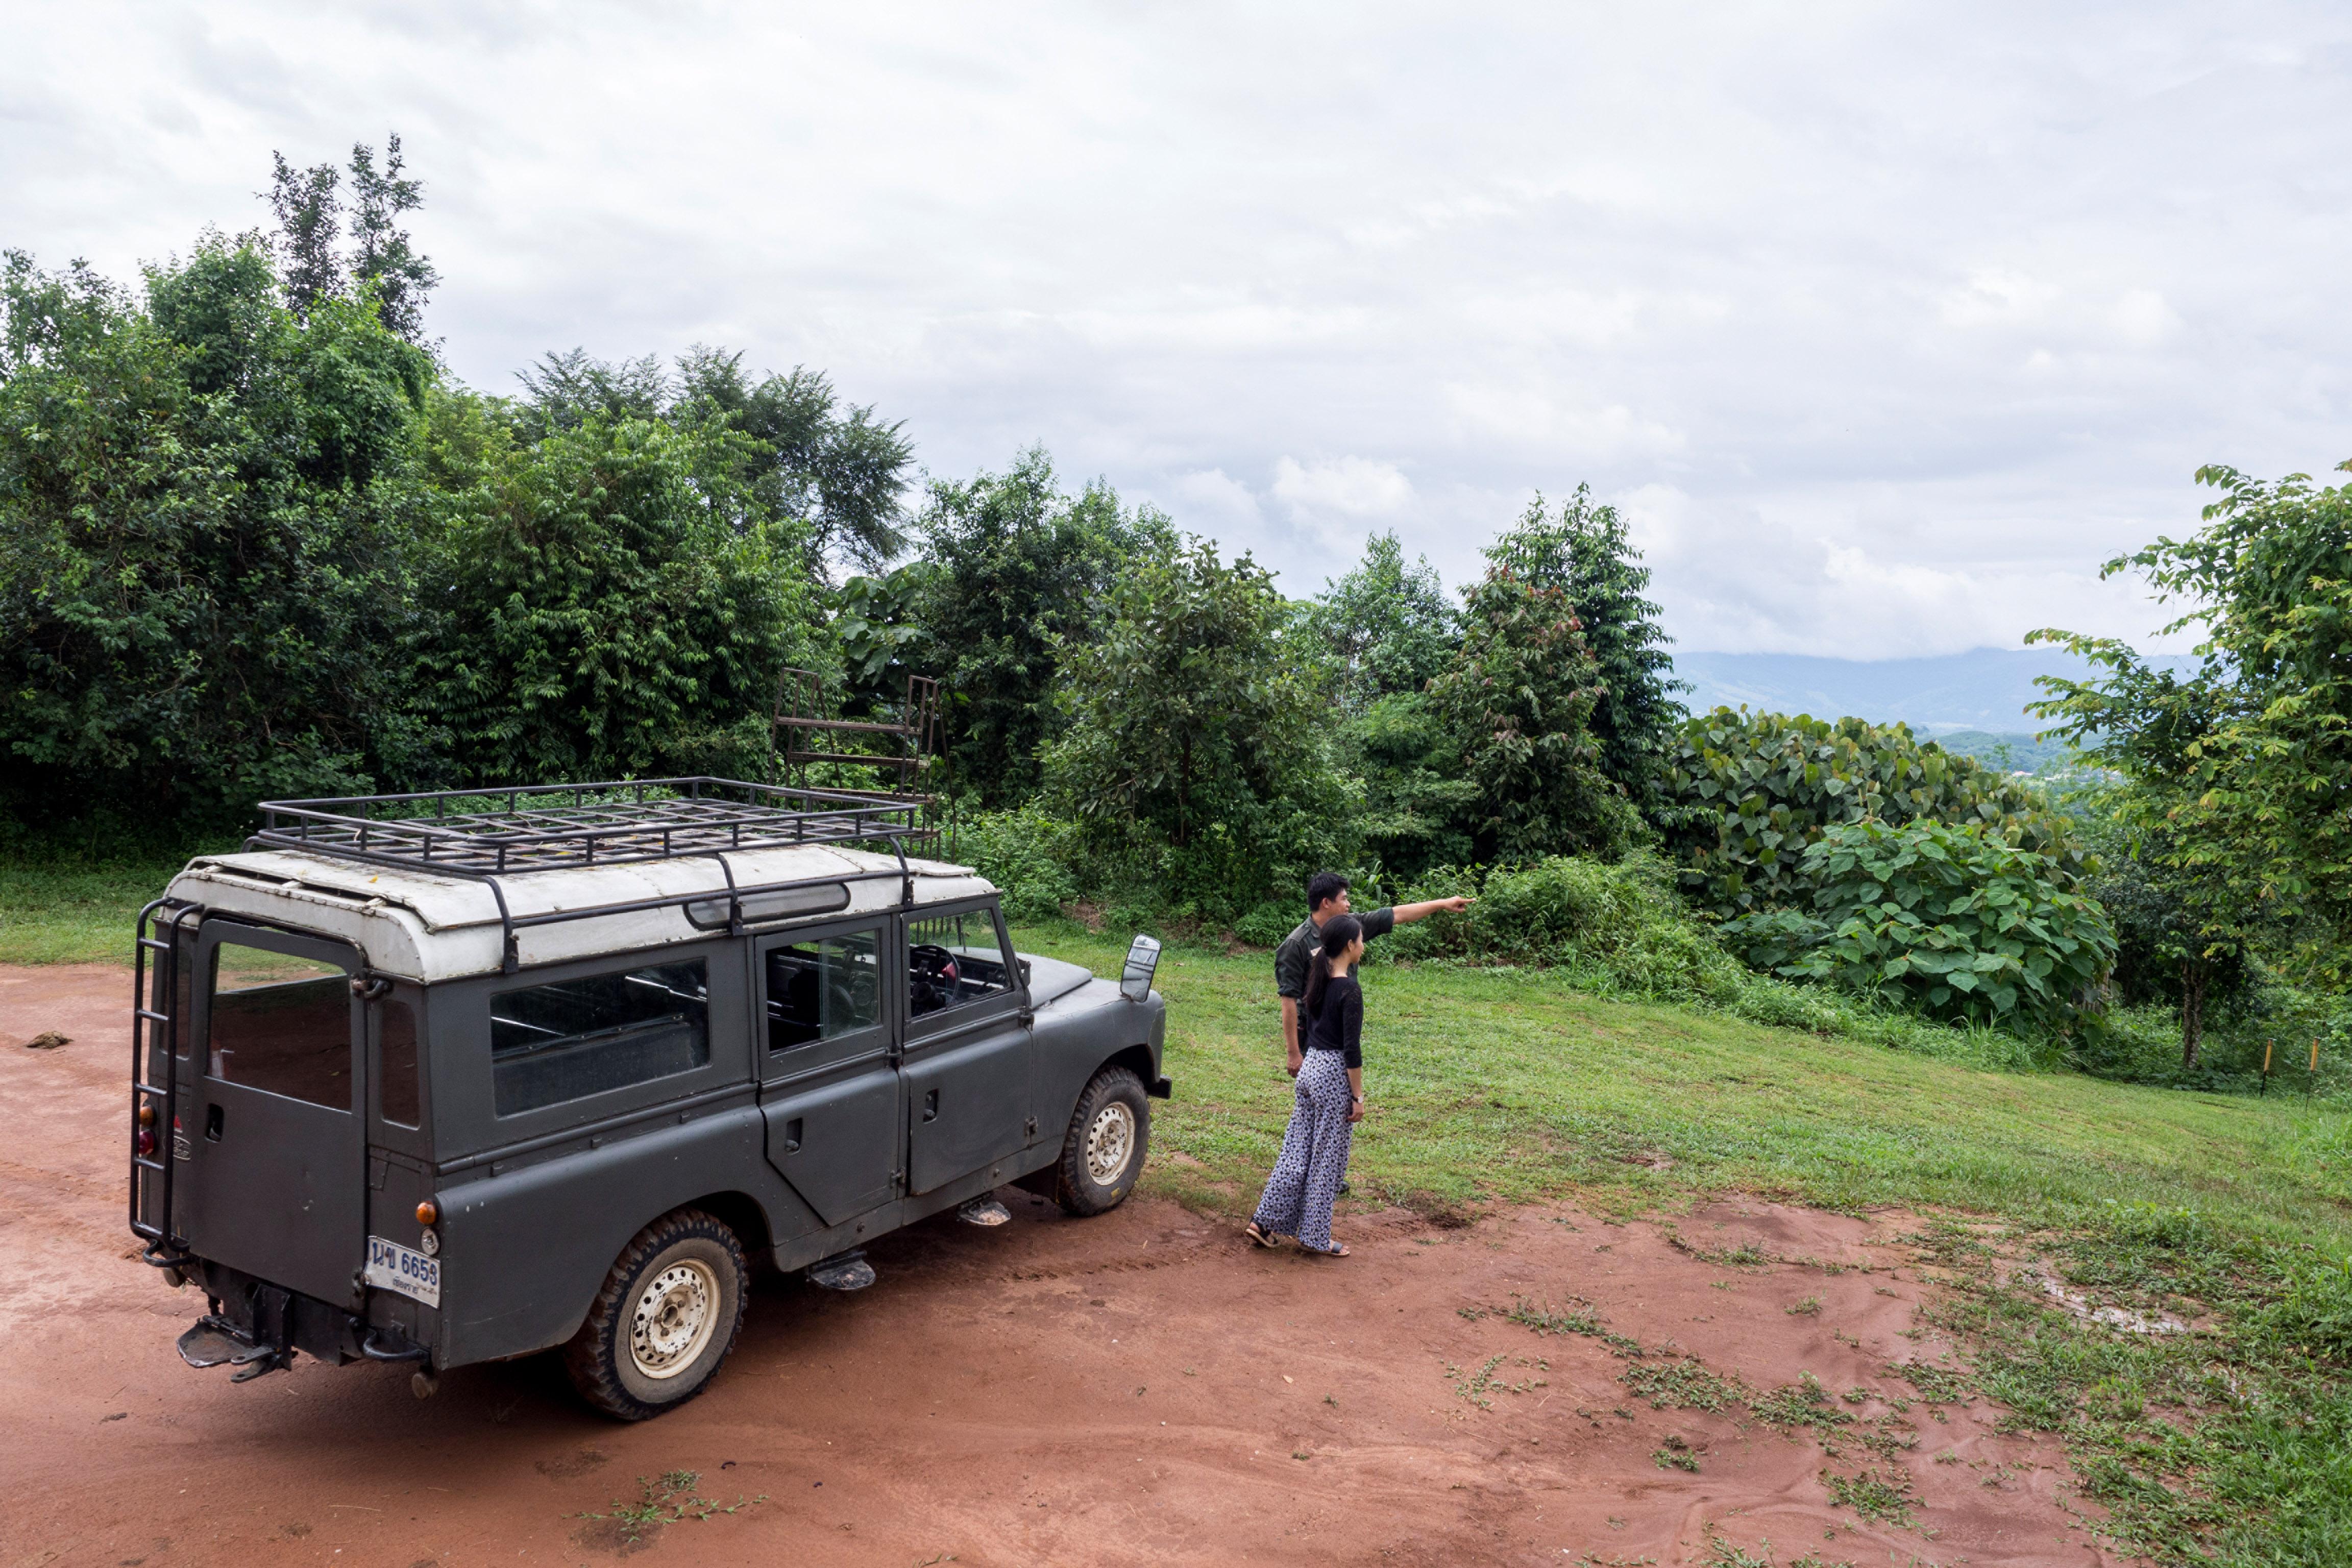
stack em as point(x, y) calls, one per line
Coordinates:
point(485, 834)
point(543, 827)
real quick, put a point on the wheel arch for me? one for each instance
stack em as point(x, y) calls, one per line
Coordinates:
point(1136, 1059)
point(745, 1215)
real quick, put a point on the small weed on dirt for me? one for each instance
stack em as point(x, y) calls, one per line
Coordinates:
point(1811, 1307)
point(1675, 1455)
point(1681, 1385)
point(663, 1499)
point(1874, 1494)
point(1804, 1403)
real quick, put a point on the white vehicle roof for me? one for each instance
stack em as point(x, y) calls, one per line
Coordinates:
point(424, 926)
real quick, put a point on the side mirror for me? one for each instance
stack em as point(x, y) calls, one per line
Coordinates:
point(1143, 961)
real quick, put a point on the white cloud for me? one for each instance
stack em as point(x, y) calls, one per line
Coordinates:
point(1353, 486)
point(1886, 324)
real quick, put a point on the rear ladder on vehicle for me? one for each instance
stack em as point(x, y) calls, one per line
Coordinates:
point(155, 1128)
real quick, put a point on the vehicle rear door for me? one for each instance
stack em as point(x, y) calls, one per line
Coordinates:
point(967, 1060)
point(276, 1172)
point(829, 1080)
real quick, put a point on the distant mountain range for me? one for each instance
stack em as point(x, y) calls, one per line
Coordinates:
point(1985, 688)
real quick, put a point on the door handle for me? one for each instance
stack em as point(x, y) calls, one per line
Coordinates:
point(931, 1106)
point(793, 1136)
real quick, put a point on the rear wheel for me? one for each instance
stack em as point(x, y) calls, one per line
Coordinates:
point(665, 1319)
point(1103, 1153)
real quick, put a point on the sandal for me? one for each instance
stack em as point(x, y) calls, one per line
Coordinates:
point(1259, 1236)
point(1337, 1249)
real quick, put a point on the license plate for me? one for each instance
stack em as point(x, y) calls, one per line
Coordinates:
point(391, 1267)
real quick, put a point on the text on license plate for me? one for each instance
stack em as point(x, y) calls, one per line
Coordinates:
point(391, 1267)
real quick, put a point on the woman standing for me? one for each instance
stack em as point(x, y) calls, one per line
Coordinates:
point(1330, 1099)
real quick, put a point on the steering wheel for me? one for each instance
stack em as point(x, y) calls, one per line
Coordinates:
point(931, 977)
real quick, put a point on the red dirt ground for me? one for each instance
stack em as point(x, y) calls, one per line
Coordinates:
point(1137, 1388)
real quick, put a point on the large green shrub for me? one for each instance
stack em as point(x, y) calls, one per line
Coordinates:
point(1758, 790)
point(600, 607)
point(1196, 762)
point(1028, 854)
point(1620, 916)
point(1954, 920)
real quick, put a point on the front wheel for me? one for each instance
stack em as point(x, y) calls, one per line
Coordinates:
point(1103, 1153)
point(665, 1319)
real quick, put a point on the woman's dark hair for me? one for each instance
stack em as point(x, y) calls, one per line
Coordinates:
point(1339, 933)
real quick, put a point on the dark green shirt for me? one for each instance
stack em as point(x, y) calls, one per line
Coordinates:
point(1298, 948)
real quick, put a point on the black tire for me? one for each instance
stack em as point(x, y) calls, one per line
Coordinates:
point(1082, 1182)
point(690, 1322)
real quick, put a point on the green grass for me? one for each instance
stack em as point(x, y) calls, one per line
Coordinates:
point(1502, 1084)
point(75, 914)
point(2229, 1444)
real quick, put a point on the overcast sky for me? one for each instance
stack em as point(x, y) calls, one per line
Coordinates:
point(1885, 325)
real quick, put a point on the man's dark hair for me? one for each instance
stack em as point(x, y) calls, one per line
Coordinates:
point(1322, 887)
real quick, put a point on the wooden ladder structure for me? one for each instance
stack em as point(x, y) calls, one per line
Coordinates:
point(804, 731)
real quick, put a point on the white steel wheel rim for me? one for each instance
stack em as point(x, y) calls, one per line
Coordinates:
point(1111, 1143)
point(676, 1312)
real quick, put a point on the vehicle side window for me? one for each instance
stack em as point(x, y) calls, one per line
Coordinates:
point(280, 1023)
point(824, 987)
point(573, 1039)
point(953, 960)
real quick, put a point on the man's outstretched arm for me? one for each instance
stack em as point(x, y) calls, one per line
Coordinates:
point(1408, 913)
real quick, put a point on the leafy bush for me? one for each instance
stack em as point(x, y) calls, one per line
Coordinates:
point(1267, 924)
point(1621, 917)
point(1953, 920)
point(1755, 791)
point(1027, 853)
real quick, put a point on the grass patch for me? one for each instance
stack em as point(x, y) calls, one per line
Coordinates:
point(75, 910)
point(2230, 1443)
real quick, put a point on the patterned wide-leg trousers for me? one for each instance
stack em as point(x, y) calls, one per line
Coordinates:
point(1305, 1180)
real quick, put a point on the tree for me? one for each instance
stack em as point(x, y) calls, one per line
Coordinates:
point(600, 609)
point(382, 261)
point(833, 467)
point(1195, 752)
point(2239, 768)
point(204, 510)
point(307, 210)
point(1954, 918)
point(1519, 700)
point(1587, 553)
point(1388, 627)
point(1017, 571)
point(835, 473)
point(383, 267)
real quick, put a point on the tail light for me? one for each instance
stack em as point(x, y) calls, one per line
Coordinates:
point(145, 1142)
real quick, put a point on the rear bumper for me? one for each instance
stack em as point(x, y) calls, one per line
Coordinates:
point(250, 1313)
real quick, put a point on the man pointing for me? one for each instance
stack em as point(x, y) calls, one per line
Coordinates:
point(1327, 895)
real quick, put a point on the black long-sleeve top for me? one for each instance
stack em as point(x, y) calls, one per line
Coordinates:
point(1338, 1023)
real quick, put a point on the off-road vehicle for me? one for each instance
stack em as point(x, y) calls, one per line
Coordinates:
point(460, 1077)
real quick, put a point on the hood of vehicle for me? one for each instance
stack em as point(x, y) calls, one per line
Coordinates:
point(1050, 979)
